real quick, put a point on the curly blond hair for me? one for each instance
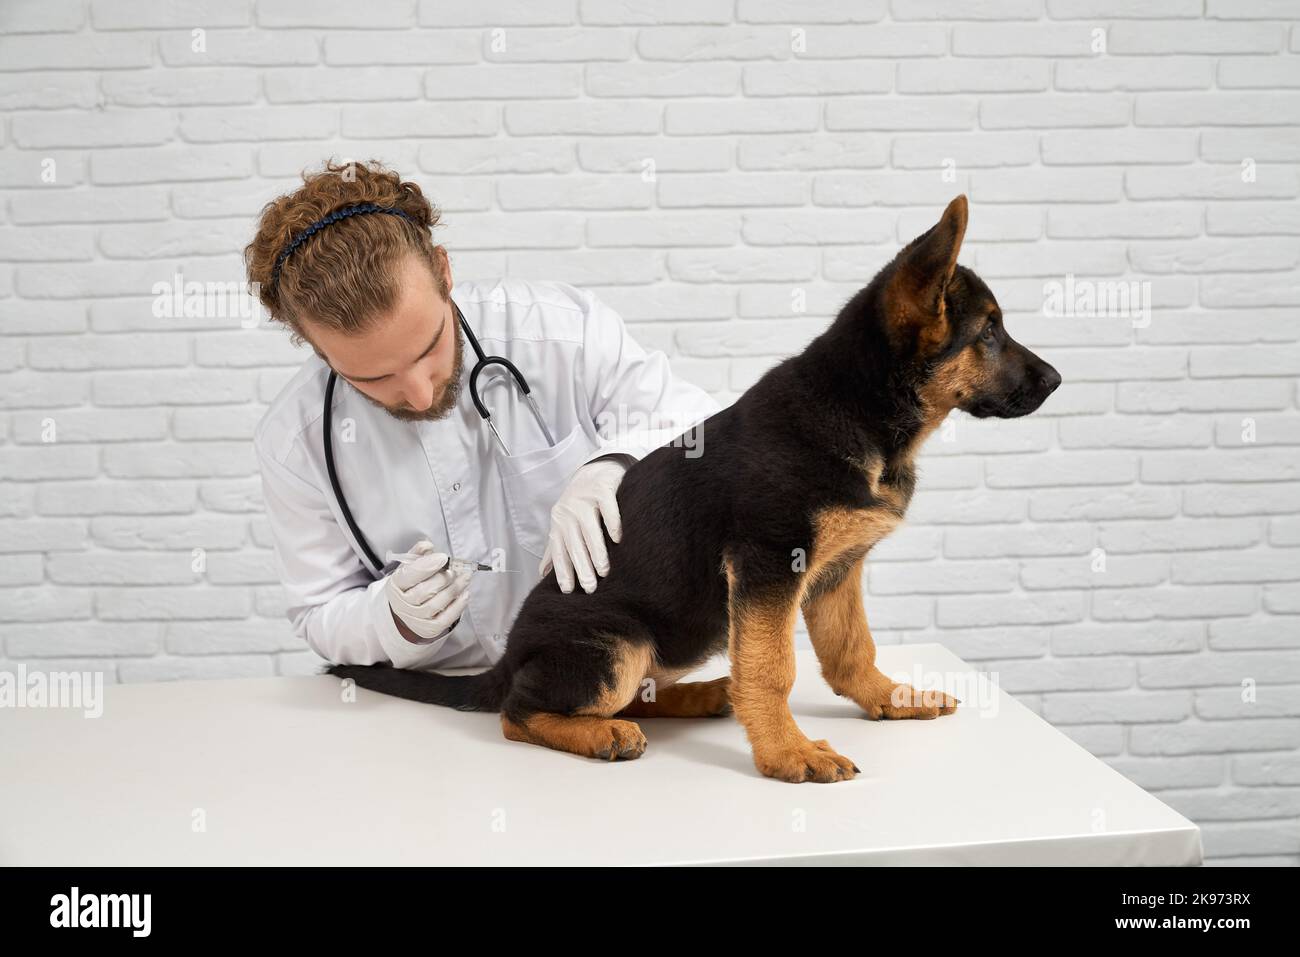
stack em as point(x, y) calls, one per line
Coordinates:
point(346, 274)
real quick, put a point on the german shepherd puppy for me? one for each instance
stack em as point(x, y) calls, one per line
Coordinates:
point(796, 482)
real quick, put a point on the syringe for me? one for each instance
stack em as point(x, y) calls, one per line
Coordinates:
point(455, 564)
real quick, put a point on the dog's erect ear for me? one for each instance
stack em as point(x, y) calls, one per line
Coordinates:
point(924, 270)
point(932, 257)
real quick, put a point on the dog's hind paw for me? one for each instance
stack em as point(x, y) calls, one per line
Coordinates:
point(714, 697)
point(626, 742)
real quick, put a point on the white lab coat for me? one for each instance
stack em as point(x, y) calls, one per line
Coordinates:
point(447, 481)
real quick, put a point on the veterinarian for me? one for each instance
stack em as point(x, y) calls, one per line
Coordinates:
point(348, 263)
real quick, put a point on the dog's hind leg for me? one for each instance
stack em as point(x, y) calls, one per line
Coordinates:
point(566, 699)
point(693, 699)
point(837, 625)
point(592, 737)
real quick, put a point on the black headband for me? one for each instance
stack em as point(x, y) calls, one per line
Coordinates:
point(342, 213)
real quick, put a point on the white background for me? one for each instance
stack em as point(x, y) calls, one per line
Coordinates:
point(703, 165)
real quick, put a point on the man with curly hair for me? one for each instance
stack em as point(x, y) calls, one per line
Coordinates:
point(348, 263)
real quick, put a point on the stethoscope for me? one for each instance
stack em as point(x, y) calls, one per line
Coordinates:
point(481, 363)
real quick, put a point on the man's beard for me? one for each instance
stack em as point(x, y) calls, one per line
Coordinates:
point(444, 404)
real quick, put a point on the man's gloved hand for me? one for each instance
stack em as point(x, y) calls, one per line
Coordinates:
point(577, 543)
point(426, 596)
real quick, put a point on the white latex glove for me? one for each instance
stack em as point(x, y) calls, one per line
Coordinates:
point(576, 543)
point(427, 596)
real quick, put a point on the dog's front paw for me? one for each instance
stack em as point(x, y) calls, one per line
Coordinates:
point(806, 761)
point(904, 701)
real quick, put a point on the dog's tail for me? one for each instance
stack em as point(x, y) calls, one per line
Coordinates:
point(481, 692)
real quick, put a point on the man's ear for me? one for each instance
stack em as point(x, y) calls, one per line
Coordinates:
point(925, 268)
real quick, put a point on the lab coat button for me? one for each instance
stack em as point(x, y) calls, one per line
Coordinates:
point(455, 487)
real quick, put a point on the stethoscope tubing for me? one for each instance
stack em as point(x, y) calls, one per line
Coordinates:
point(483, 361)
point(328, 426)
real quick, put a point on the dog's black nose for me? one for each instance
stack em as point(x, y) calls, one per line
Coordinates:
point(1049, 379)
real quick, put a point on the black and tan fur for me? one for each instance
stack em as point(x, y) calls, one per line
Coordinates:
point(814, 461)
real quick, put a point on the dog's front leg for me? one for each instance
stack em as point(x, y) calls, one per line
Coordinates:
point(837, 625)
point(761, 647)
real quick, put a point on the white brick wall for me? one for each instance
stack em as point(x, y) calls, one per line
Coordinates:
point(794, 146)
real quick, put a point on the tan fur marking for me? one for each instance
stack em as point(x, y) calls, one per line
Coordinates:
point(887, 494)
point(903, 311)
point(963, 374)
point(837, 530)
point(935, 332)
point(631, 664)
point(592, 737)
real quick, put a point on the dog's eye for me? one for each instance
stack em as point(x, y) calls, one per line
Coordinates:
point(990, 331)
